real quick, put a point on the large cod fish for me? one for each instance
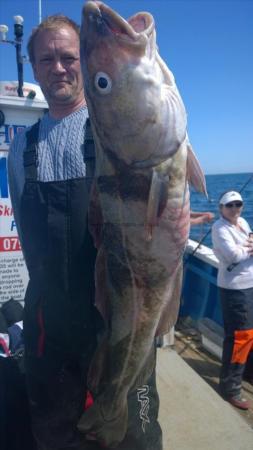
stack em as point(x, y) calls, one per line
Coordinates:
point(139, 210)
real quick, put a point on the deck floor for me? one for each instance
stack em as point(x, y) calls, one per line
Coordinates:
point(188, 346)
point(192, 413)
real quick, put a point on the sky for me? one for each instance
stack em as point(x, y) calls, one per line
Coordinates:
point(208, 44)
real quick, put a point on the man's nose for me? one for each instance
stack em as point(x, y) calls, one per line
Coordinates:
point(58, 66)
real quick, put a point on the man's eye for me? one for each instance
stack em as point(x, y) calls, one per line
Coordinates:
point(46, 60)
point(69, 59)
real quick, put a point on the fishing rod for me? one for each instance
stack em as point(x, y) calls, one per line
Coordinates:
point(209, 231)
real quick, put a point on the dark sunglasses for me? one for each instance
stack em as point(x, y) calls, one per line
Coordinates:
point(236, 204)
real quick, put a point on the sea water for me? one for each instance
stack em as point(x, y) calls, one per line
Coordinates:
point(216, 185)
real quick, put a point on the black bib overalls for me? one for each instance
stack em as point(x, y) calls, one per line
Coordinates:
point(60, 258)
point(60, 320)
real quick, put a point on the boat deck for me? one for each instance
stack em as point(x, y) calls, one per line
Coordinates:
point(192, 414)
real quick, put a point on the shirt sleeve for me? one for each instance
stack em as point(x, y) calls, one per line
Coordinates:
point(245, 225)
point(225, 247)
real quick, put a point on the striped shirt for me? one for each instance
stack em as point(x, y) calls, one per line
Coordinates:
point(60, 154)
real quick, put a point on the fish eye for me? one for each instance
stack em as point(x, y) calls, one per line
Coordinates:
point(103, 83)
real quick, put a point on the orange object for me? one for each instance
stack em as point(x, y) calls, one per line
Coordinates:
point(243, 344)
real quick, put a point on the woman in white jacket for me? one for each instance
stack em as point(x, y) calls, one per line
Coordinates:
point(233, 246)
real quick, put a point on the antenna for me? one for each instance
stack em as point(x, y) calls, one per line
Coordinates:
point(39, 11)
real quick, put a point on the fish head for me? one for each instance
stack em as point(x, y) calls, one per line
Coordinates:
point(123, 82)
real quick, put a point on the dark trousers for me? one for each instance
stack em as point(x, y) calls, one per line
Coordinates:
point(237, 309)
point(248, 371)
point(57, 399)
point(15, 424)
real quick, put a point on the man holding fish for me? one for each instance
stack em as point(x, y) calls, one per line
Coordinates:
point(139, 220)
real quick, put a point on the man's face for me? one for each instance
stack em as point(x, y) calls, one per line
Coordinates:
point(57, 65)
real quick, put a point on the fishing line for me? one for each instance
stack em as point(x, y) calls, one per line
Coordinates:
point(245, 184)
point(207, 233)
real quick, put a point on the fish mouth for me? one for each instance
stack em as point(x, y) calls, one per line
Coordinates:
point(106, 20)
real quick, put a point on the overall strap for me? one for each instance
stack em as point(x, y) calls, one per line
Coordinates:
point(89, 151)
point(30, 156)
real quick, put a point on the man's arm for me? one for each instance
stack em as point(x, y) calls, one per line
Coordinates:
point(16, 177)
point(197, 218)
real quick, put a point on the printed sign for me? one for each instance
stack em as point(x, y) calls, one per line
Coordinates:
point(13, 273)
point(17, 114)
point(7, 133)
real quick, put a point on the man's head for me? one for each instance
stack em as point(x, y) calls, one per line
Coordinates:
point(55, 22)
point(53, 50)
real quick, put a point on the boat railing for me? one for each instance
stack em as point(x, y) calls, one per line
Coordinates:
point(200, 296)
point(202, 252)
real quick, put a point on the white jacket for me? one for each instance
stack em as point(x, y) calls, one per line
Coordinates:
point(228, 248)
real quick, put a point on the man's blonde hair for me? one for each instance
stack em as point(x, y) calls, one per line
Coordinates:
point(54, 22)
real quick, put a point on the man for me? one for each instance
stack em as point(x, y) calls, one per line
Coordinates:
point(50, 169)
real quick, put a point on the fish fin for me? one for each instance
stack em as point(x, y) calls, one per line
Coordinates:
point(153, 204)
point(98, 423)
point(98, 367)
point(157, 200)
point(170, 313)
point(185, 192)
point(195, 174)
point(146, 370)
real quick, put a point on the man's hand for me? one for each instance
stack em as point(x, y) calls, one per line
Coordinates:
point(198, 218)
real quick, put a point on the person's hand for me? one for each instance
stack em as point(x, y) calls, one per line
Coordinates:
point(208, 217)
point(249, 245)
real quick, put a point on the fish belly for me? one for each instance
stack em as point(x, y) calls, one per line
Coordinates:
point(135, 281)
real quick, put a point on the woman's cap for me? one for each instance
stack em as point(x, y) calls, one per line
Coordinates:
point(230, 197)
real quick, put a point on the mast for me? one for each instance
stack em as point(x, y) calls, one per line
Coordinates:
point(40, 11)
